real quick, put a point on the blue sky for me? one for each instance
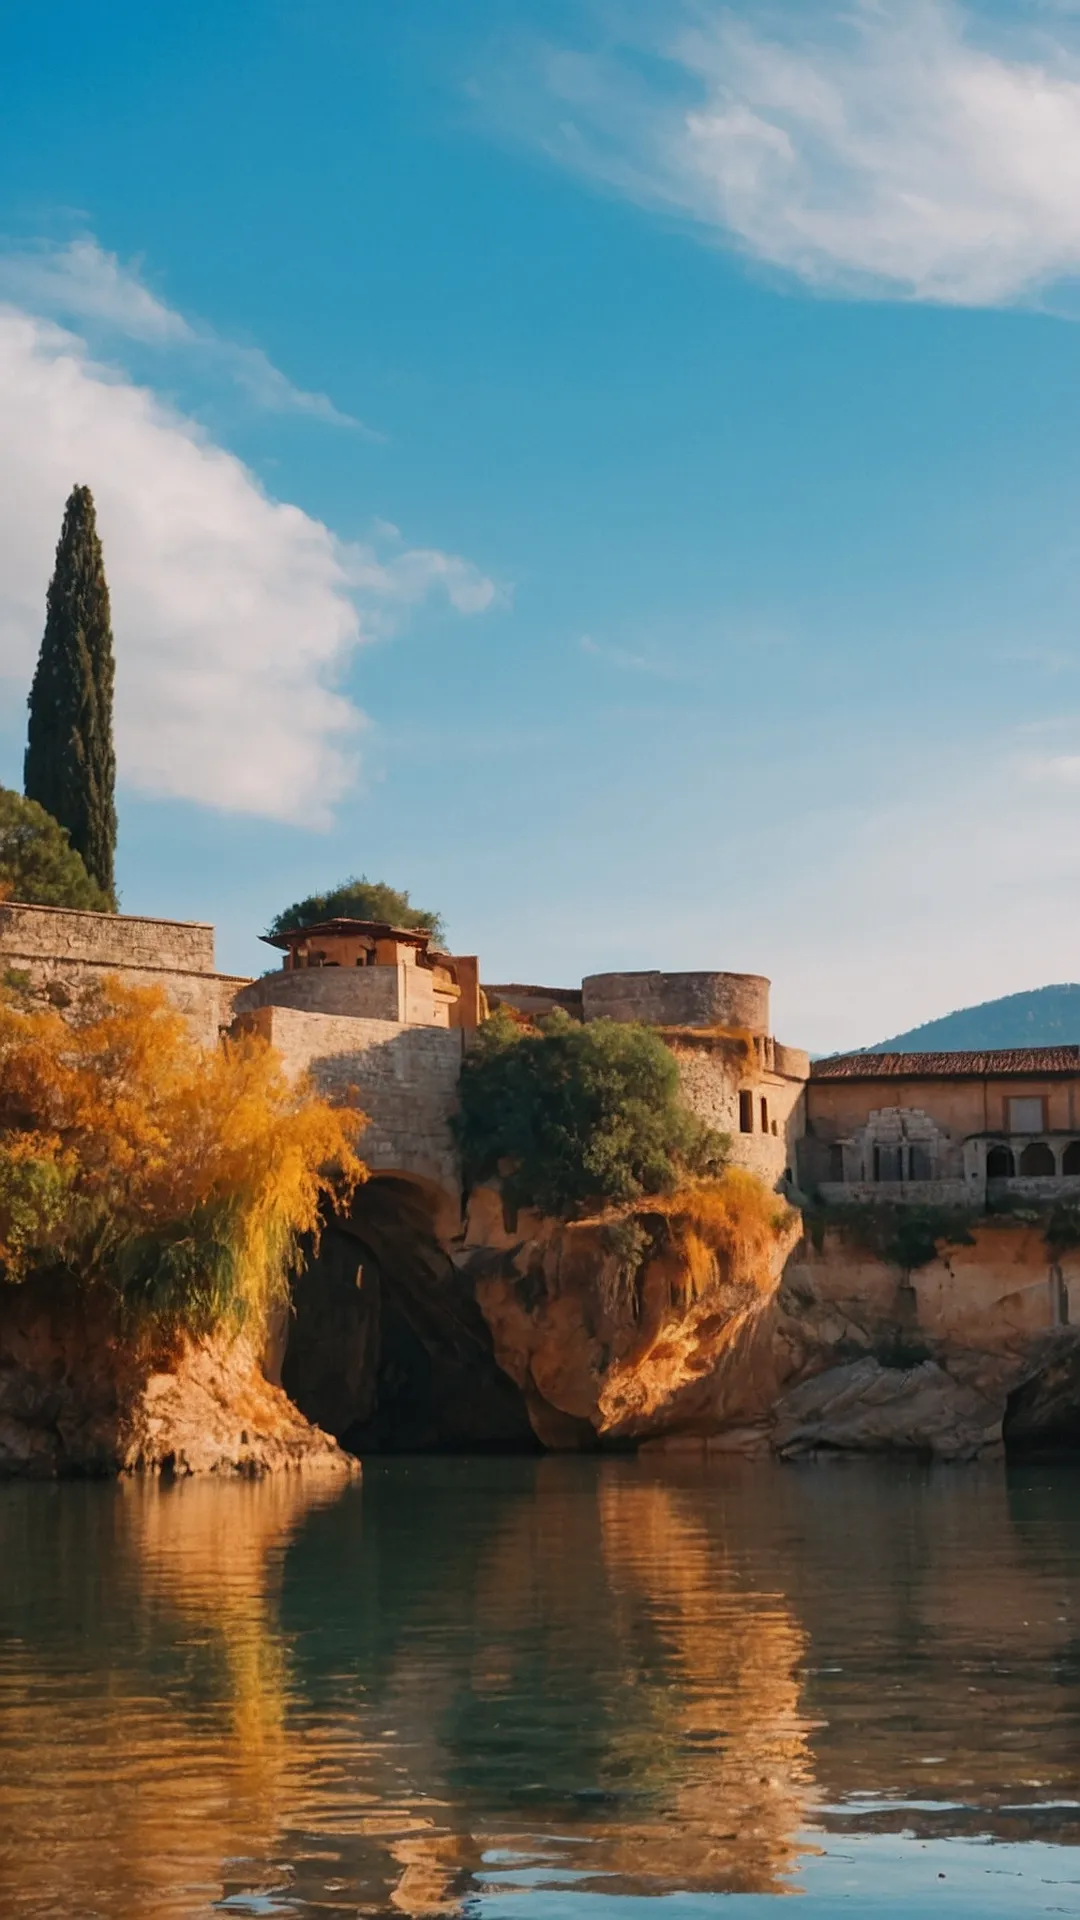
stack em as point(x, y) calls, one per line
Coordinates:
point(613, 469)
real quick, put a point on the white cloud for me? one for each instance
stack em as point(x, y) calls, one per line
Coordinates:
point(407, 575)
point(916, 149)
point(234, 614)
point(83, 284)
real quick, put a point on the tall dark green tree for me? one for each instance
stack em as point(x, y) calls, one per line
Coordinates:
point(70, 766)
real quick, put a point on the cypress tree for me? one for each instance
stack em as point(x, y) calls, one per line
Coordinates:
point(70, 766)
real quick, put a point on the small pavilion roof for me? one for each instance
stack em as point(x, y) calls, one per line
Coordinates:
point(376, 929)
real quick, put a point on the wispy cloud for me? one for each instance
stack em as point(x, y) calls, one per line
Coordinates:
point(616, 656)
point(921, 150)
point(235, 614)
point(80, 283)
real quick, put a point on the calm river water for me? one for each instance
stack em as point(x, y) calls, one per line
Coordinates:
point(553, 1689)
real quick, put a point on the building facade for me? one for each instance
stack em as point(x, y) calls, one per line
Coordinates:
point(963, 1128)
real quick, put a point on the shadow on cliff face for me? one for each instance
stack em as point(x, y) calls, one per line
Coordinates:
point(387, 1348)
point(1042, 1416)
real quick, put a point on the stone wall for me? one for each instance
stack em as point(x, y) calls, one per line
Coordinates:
point(679, 999)
point(714, 1070)
point(104, 939)
point(62, 952)
point(403, 994)
point(404, 1078)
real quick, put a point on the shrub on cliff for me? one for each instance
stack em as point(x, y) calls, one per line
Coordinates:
point(133, 1159)
point(572, 1116)
point(38, 864)
point(358, 900)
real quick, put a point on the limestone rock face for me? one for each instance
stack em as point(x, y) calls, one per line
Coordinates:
point(869, 1408)
point(76, 1398)
point(971, 1350)
point(607, 1356)
point(825, 1347)
point(1043, 1411)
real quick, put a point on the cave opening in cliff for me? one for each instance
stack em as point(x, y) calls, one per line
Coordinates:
point(386, 1347)
point(1042, 1416)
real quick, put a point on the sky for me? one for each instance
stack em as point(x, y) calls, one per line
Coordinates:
point(611, 467)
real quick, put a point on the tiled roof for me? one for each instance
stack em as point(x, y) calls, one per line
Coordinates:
point(935, 1066)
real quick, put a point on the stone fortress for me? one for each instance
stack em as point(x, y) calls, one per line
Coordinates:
point(430, 1318)
point(375, 1014)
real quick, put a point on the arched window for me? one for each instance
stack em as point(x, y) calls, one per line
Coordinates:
point(1000, 1164)
point(1037, 1161)
point(1071, 1161)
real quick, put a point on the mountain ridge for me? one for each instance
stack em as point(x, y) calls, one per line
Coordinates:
point(1040, 1017)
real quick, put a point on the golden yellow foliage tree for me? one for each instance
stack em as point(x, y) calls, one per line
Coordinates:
point(132, 1158)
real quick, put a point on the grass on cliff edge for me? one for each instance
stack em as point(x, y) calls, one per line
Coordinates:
point(910, 1237)
point(723, 1232)
point(132, 1158)
point(571, 1117)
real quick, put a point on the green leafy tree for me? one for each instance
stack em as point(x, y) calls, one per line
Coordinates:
point(358, 900)
point(70, 767)
point(38, 864)
point(572, 1116)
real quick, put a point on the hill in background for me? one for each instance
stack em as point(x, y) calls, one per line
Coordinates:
point(1045, 1017)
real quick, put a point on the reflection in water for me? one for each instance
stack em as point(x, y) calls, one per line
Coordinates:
point(631, 1676)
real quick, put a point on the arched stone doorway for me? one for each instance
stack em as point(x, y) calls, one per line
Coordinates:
point(387, 1348)
point(1037, 1161)
point(1000, 1164)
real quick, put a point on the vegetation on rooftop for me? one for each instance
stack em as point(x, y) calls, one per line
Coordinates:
point(569, 1117)
point(131, 1159)
point(360, 899)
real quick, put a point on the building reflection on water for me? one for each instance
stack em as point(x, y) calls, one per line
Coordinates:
point(642, 1675)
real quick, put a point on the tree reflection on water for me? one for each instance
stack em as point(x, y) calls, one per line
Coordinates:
point(638, 1675)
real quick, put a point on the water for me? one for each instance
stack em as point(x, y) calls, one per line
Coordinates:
point(554, 1689)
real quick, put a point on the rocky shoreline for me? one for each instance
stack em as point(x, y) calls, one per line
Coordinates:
point(79, 1396)
point(497, 1336)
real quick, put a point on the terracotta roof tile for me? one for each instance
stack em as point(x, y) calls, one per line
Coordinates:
point(935, 1066)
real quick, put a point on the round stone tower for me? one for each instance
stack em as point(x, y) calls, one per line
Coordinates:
point(680, 999)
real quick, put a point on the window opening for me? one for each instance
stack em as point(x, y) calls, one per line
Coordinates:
point(1026, 1114)
point(746, 1113)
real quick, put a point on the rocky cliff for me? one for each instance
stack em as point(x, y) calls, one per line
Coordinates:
point(954, 1357)
point(715, 1322)
point(712, 1321)
point(409, 1332)
point(80, 1395)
